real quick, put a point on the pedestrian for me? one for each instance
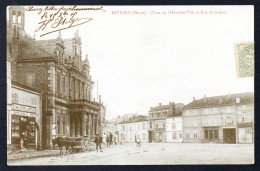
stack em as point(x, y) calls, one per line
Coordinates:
point(104, 138)
point(108, 141)
point(111, 138)
point(115, 140)
point(138, 141)
point(98, 141)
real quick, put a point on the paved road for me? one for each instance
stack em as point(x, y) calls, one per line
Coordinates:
point(163, 153)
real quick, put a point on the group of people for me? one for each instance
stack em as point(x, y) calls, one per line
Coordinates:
point(105, 140)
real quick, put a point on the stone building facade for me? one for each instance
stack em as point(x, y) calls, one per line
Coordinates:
point(131, 129)
point(220, 119)
point(157, 118)
point(55, 68)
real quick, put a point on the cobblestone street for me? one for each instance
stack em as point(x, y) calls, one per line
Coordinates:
point(163, 153)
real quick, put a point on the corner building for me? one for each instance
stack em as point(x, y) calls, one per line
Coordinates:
point(220, 119)
point(55, 68)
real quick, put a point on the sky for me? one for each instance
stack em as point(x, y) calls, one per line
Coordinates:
point(143, 60)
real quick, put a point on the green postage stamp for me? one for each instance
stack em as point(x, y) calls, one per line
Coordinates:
point(245, 59)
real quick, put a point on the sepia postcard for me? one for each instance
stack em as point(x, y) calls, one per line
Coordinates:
point(130, 85)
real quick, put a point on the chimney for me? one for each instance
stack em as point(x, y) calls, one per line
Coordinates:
point(237, 100)
point(160, 104)
point(193, 98)
point(170, 103)
point(205, 99)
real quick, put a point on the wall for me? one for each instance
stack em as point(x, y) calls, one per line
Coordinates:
point(174, 129)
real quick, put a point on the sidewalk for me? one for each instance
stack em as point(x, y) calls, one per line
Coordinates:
point(32, 154)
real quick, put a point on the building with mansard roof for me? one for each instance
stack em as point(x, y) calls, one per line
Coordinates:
point(221, 119)
point(56, 69)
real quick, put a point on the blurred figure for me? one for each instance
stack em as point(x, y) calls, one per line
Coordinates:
point(138, 141)
point(108, 141)
point(111, 138)
point(98, 141)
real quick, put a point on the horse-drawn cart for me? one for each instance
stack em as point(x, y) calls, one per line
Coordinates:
point(73, 144)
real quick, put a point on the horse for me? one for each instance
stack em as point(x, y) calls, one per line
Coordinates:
point(62, 142)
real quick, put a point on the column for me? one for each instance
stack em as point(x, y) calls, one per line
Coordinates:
point(93, 124)
point(77, 127)
point(87, 121)
point(72, 131)
point(90, 124)
point(83, 121)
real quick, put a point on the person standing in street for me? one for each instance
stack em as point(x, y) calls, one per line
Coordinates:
point(108, 141)
point(111, 138)
point(98, 141)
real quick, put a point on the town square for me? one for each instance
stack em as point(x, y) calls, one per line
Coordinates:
point(129, 85)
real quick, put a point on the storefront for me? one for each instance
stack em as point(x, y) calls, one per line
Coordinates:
point(211, 134)
point(25, 120)
point(245, 133)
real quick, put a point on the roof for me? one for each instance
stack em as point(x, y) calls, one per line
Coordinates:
point(223, 100)
point(139, 118)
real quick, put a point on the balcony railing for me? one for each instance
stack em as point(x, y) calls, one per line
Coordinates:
point(85, 102)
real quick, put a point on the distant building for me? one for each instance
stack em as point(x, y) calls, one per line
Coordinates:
point(133, 128)
point(157, 120)
point(221, 119)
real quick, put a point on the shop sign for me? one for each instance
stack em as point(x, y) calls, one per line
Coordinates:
point(23, 108)
point(244, 125)
point(21, 113)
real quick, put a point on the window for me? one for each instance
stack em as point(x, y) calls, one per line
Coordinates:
point(206, 132)
point(180, 135)
point(156, 126)
point(64, 126)
point(58, 83)
point(19, 17)
point(243, 118)
point(138, 126)
point(63, 85)
point(229, 121)
point(151, 125)
point(143, 125)
point(58, 124)
point(30, 79)
point(173, 125)
point(195, 135)
point(216, 134)
point(164, 125)
point(14, 98)
point(187, 135)
point(14, 17)
point(174, 135)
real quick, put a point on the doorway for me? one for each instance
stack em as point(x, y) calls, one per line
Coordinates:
point(229, 135)
point(150, 136)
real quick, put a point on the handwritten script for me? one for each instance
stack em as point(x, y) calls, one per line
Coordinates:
point(60, 18)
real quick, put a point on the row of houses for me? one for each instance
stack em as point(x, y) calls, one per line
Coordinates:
point(219, 119)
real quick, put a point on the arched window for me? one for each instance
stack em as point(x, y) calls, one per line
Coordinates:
point(14, 17)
